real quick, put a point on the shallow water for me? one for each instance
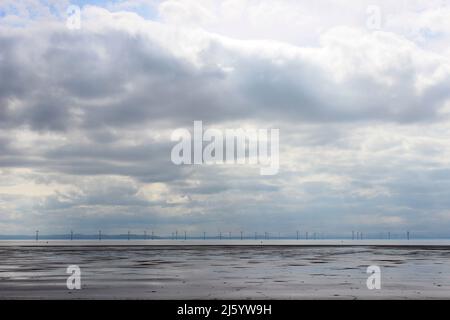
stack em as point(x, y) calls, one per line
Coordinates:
point(224, 272)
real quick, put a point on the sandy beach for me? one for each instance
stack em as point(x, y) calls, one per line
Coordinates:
point(120, 271)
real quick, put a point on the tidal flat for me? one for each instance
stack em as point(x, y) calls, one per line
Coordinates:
point(225, 272)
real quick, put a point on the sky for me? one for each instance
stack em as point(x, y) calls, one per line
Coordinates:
point(360, 91)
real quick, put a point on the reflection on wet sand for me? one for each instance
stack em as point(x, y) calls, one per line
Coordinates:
point(230, 272)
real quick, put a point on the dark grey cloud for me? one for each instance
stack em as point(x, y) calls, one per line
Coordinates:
point(114, 78)
point(85, 118)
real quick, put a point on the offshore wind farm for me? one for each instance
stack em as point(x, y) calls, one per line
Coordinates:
point(240, 265)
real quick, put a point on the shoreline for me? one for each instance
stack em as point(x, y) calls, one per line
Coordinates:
point(219, 243)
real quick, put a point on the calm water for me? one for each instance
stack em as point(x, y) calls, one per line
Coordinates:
point(230, 272)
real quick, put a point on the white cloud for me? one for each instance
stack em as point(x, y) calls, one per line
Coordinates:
point(87, 114)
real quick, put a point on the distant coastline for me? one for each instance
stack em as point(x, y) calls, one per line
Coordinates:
point(208, 242)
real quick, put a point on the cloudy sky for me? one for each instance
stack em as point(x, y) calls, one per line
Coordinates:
point(360, 91)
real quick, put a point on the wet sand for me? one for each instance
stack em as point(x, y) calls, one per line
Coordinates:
point(224, 272)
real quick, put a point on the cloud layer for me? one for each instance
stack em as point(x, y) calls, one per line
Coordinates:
point(86, 115)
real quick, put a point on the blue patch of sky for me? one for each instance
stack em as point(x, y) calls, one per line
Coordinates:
point(99, 3)
point(146, 11)
point(430, 34)
point(7, 10)
point(32, 12)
